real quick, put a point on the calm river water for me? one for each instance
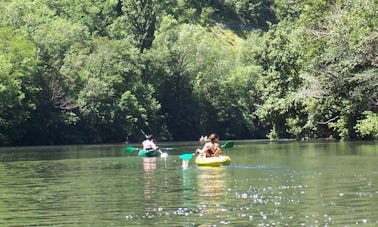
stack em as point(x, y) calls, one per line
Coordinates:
point(267, 184)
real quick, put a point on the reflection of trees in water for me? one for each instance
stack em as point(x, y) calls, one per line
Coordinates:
point(149, 165)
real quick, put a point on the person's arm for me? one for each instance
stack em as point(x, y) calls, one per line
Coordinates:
point(218, 149)
point(203, 150)
point(154, 146)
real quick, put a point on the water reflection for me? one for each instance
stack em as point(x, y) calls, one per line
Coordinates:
point(149, 166)
point(187, 186)
point(211, 182)
point(212, 190)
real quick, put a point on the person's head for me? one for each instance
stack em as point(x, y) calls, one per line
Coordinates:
point(213, 138)
point(150, 137)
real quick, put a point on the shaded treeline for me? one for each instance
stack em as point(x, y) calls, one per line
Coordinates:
point(94, 71)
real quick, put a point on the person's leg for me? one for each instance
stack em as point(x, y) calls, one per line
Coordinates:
point(217, 152)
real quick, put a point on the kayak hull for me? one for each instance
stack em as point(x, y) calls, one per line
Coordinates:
point(213, 161)
point(148, 153)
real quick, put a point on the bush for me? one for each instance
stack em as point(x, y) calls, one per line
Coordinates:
point(368, 127)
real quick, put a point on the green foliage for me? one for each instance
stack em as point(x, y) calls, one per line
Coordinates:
point(295, 126)
point(368, 127)
point(95, 15)
point(237, 100)
point(252, 13)
point(337, 59)
point(196, 65)
point(273, 134)
point(278, 56)
point(55, 38)
point(94, 71)
point(25, 15)
point(18, 62)
point(174, 53)
point(113, 99)
point(341, 127)
point(141, 19)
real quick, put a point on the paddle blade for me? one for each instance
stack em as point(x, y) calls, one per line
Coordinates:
point(228, 145)
point(129, 149)
point(186, 156)
point(168, 148)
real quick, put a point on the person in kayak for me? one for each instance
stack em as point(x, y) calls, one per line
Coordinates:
point(212, 148)
point(149, 144)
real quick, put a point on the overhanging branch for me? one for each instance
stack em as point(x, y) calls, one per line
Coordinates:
point(328, 121)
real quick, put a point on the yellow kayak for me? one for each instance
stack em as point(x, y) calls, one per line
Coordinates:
point(213, 161)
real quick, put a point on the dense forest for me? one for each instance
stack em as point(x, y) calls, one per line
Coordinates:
point(98, 71)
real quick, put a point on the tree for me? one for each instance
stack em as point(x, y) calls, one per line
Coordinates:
point(18, 65)
point(96, 15)
point(342, 63)
point(113, 101)
point(172, 60)
point(277, 54)
point(191, 65)
point(141, 19)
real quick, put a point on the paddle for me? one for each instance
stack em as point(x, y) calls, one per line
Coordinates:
point(228, 145)
point(167, 148)
point(132, 149)
point(145, 135)
point(163, 155)
point(186, 156)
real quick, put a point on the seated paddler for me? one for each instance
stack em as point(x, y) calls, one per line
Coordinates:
point(149, 144)
point(211, 148)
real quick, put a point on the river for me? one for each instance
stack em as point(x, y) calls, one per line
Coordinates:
point(267, 184)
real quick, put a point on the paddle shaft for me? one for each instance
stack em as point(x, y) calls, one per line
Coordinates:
point(145, 135)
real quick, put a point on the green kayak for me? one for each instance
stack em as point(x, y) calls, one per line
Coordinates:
point(148, 153)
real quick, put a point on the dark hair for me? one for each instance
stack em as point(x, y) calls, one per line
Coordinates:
point(213, 136)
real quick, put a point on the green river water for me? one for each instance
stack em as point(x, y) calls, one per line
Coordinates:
point(267, 184)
